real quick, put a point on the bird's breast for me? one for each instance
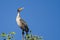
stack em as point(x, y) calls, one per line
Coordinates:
point(18, 21)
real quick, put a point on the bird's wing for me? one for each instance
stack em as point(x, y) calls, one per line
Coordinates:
point(25, 25)
point(23, 22)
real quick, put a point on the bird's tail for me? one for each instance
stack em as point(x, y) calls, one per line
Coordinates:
point(27, 30)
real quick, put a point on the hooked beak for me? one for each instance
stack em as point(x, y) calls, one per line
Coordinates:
point(20, 9)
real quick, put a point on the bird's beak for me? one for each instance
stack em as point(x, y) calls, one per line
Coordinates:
point(20, 9)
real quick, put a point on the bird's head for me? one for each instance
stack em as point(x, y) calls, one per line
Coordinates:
point(20, 9)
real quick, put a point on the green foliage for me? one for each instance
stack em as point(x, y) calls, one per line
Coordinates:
point(12, 33)
point(8, 36)
point(33, 37)
point(3, 34)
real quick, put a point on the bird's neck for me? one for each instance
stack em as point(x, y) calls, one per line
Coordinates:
point(18, 15)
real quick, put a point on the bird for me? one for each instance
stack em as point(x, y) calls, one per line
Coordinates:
point(21, 23)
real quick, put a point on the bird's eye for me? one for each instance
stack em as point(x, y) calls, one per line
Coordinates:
point(18, 10)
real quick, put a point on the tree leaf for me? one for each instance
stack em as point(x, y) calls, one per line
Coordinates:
point(3, 35)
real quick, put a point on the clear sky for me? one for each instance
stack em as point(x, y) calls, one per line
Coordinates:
point(42, 17)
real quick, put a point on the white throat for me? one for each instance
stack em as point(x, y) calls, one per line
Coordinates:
point(18, 15)
point(18, 19)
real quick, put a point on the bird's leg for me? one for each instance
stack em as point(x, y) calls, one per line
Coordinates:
point(22, 35)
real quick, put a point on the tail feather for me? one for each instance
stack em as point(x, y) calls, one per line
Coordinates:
point(26, 29)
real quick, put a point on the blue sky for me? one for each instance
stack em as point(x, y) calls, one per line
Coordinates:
point(42, 17)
